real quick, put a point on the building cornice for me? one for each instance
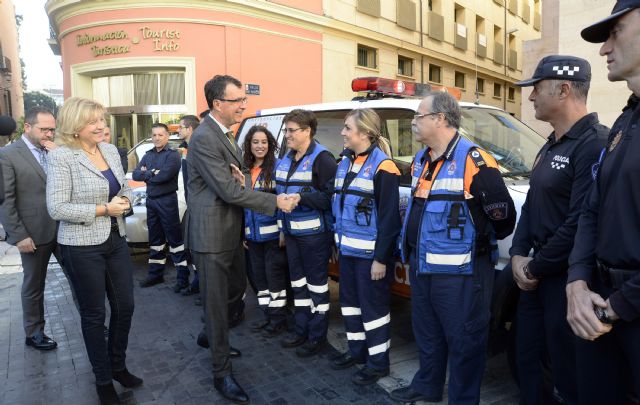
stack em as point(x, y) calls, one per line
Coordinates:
point(61, 10)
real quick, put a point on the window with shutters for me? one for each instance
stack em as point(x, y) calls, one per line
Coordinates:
point(367, 57)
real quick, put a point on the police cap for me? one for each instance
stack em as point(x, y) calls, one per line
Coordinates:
point(559, 67)
point(599, 32)
point(7, 125)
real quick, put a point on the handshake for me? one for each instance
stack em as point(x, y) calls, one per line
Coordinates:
point(288, 202)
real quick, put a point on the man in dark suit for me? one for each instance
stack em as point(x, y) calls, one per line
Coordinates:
point(215, 219)
point(25, 218)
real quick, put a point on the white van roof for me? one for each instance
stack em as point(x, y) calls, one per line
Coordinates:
point(411, 103)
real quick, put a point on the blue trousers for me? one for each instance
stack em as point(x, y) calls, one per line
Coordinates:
point(365, 310)
point(308, 258)
point(94, 271)
point(450, 317)
point(609, 367)
point(163, 221)
point(542, 323)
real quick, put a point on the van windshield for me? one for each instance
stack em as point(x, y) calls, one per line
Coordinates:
point(513, 144)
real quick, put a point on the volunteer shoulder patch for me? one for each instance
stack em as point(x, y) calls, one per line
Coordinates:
point(477, 158)
point(496, 211)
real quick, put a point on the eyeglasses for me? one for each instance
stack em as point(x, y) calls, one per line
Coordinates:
point(418, 116)
point(291, 130)
point(184, 126)
point(45, 130)
point(242, 100)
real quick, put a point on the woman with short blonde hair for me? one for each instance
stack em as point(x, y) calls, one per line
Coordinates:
point(88, 194)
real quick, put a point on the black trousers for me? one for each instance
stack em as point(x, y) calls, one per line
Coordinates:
point(223, 282)
point(95, 270)
point(609, 367)
point(542, 323)
point(269, 267)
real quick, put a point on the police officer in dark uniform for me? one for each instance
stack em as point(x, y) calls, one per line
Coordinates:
point(560, 178)
point(159, 168)
point(603, 287)
point(459, 206)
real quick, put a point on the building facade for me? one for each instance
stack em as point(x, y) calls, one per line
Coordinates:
point(562, 21)
point(11, 101)
point(147, 60)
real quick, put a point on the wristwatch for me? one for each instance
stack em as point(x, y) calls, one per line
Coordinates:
point(527, 273)
point(601, 313)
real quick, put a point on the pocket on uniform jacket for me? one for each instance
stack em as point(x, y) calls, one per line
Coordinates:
point(436, 212)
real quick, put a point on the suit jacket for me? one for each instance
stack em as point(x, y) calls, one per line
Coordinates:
point(216, 200)
point(75, 187)
point(24, 210)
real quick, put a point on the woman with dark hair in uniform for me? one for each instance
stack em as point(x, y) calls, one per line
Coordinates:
point(262, 236)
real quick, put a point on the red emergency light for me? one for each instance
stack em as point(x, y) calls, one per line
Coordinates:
point(398, 87)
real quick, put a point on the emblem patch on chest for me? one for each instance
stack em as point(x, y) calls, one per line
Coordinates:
point(305, 165)
point(452, 168)
point(559, 162)
point(615, 141)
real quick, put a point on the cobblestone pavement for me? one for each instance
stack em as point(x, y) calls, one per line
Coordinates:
point(162, 350)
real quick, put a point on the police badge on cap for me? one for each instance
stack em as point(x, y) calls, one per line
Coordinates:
point(599, 32)
point(559, 67)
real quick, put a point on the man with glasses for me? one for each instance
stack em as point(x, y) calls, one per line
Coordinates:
point(25, 218)
point(459, 206)
point(215, 221)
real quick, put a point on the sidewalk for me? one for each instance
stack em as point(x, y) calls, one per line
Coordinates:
point(162, 350)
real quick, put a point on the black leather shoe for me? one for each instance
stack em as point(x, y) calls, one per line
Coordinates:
point(368, 376)
point(311, 348)
point(345, 360)
point(179, 286)
point(236, 320)
point(293, 340)
point(233, 352)
point(191, 290)
point(148, 282)
point(230, 389)
point(259, 325)
point(107, 394)
point(407, 394)
point(203, 340)
point(41, 341)
point(273, 330)
point(126, 379)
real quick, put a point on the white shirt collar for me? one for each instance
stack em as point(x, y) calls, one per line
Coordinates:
point(29, 144)
point(222, 127)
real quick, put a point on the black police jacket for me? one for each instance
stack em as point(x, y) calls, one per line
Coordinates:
point(559, 181)
point(609, 226)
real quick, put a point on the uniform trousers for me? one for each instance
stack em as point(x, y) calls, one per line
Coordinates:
point(163, 221)
point(608, 368)
point(542, 324)
point(450, 317)
point(365, 309)
point(308, 258)
point(268, 266)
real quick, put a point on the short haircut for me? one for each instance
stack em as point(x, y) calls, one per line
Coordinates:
point(214, 88)
point(160, 125)
point(190, 121)
point(75, 114)
point(304, 118)
point(444, 103)
point(204, 114)
point(579, 89)
point(31, 117)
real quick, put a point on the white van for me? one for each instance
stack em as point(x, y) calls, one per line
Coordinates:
point(512, 143)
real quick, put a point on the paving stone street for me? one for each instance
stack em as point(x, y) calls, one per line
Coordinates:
point(162, 350)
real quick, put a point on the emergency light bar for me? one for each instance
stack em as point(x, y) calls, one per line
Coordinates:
point(398, 87)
